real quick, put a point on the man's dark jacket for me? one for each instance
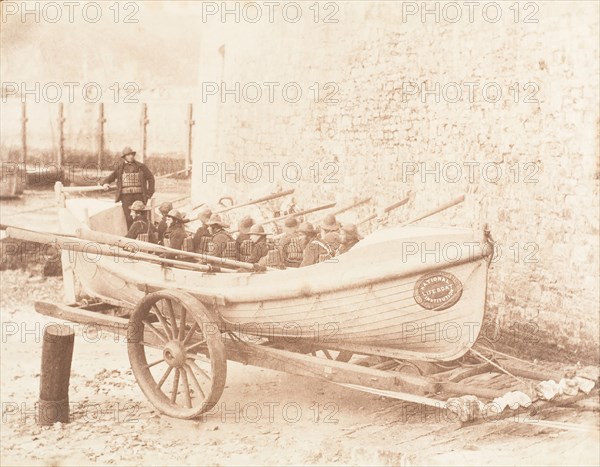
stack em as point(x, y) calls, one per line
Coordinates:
point(146, 177)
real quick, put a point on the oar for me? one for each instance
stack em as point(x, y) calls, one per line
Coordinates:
point(116, 240)
point(6, 227)
point(172, 173)
point(83, 189)
point(256, 201)
point(74, 244)
point(296, 214)
point(348, 207)
point(178, 200)
point(441, 208)
point(386, 210)
point(249, 203)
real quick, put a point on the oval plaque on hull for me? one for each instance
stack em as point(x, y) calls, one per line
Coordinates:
point(437, 290)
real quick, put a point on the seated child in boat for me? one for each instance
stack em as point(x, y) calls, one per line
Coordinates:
point(222, 243)
point(290, 245)
point(321, 249)
point(349, 237)
point(175, 234)
point(203, 236)
point(141, 228)
point(255, 248)
point(161, 226)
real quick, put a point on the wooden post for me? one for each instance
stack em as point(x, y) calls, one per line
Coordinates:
point(190, 123)
point(101, 122)
point(152, 213)
point(144, 138)
point(24, 134)
point(58, 193)
point(57, 353)
point(60, 157)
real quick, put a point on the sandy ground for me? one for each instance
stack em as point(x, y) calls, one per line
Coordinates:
point(263, 417)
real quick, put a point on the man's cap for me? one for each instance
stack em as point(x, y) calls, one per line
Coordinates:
point(175, 214)
point(165, 207)
point(245, 224)
point(291, 222)
point(216, 219)
point(330, 223)
point(352, 231)
point(126, 151)
point(257, 230)
point(138, 206)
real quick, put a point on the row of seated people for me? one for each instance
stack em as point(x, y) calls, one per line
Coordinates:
point(299, 245)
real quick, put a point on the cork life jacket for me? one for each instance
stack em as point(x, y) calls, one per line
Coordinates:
point(142, 230)
point(251, 252)
point(292, 251)
point(131, 181)
point(149, 235)
point(273, 258)
point(246, 250)
point(173, 230)
point(230, 250)
point(325, 251)
point(203, 244)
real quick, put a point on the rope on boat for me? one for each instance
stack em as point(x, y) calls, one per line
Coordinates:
point(483, 357)
point(541, 367)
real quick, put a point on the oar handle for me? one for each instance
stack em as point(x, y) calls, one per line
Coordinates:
point(83, 189)
point(440, 208)
point(256, 201)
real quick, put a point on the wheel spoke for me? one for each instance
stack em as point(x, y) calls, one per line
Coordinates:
point(172, 315)
point(190, 333)
point(164, 377)
point(182, 324)
point(186, 389)
point(194, 381)
point(158, 334)
point(163, 321)
point(175, 386)
point(198, 356)
point(193, 346)
point(149, 365)
point(199, 370)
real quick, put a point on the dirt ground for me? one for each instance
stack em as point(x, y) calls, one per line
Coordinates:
point(263, 418)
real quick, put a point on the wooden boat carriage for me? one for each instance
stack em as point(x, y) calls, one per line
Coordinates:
point(409, 299)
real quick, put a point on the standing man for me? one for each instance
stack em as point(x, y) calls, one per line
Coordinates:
point(134, 181)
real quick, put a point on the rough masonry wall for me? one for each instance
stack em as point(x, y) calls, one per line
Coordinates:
point(528, 162)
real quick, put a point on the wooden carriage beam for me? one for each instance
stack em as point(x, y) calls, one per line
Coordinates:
point(291, 362)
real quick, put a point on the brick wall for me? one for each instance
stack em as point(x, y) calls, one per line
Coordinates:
point(542, 207)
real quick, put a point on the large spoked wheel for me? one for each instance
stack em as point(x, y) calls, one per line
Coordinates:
point(176, 353)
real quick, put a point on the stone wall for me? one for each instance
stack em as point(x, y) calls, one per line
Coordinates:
point(527, 159)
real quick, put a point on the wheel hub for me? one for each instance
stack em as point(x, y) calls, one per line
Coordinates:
point(174, 354)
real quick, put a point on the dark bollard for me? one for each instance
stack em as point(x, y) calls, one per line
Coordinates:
point(57, 353)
